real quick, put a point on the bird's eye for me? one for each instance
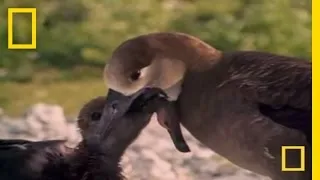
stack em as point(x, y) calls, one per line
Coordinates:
point(114, 106)
point(95, 116)
point(135, 75)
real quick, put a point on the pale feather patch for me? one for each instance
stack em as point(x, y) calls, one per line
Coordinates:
point(174, 91)
point(112, 83)
point(22, 147)
point(267, 153)
point(144, 71)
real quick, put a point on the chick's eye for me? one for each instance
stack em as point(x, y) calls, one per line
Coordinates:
point(95, 116)
point(135, 75)
point(113, 107)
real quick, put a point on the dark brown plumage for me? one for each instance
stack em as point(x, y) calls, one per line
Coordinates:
point(107, 129)
point(243, 105)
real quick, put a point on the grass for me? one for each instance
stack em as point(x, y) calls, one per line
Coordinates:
point(15, 97)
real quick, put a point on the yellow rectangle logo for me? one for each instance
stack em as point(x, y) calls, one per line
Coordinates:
point(302, 158)
point(33, 12)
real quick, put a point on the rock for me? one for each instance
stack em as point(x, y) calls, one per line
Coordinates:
point(73, 136)
point(12, 127)
point(45, 121)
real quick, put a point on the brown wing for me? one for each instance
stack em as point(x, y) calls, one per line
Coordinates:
point(280, 86)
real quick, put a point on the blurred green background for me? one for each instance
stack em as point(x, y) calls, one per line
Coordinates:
point(76, 37)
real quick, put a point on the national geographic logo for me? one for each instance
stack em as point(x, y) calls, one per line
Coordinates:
point(33, 12)
point(296, 150)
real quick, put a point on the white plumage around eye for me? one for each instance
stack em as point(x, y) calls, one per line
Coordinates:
point(144, 71)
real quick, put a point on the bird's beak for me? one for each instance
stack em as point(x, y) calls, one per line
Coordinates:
point(165, 116)
point(113, 95)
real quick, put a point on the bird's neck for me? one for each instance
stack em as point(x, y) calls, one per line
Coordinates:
point(193, 52)
point(96, 162)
